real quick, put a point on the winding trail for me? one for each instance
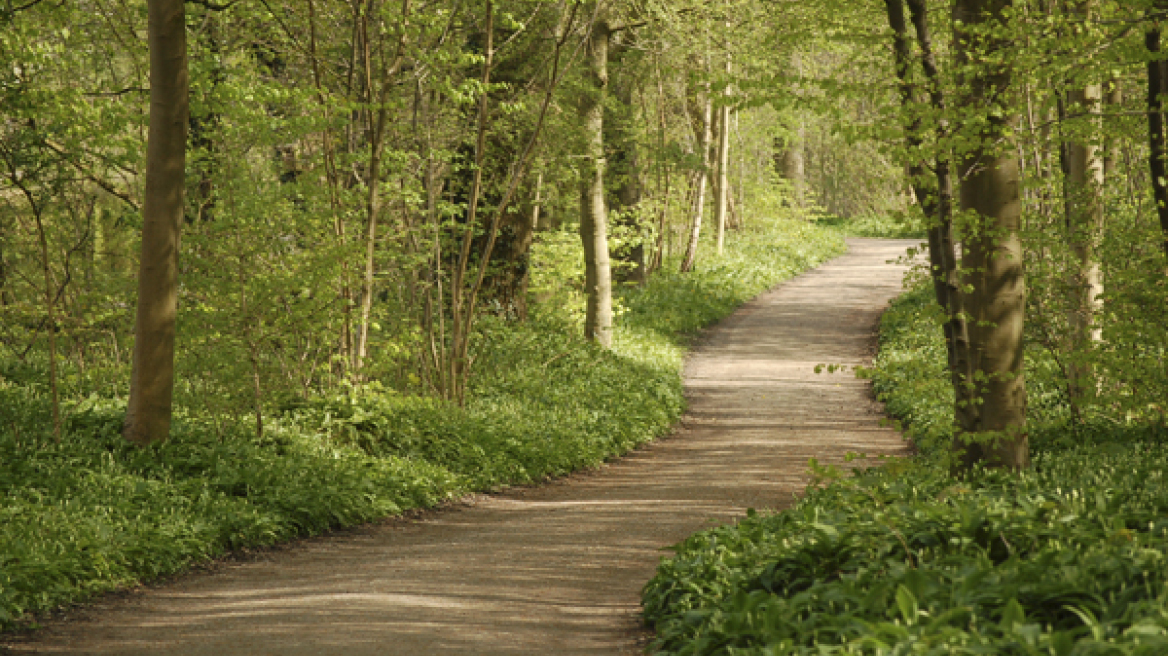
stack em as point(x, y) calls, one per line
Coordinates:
point(555, 569)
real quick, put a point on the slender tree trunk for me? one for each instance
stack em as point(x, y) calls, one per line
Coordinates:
point(721, 204)
point(537, 202)
point(1157, 78)
point(993, 263)
point(1085, 230)
point(51, 310)
point(152, 377)
point(373, 210)
point(333, 180)
point(914, 140)
point(1114, 100)
point(379, 117)
point(593, 215)
point(699, 206)
point(941, 240)
point(459, 319)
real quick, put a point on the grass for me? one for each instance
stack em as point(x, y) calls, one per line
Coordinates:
point(1069, 558)
point(90, 513)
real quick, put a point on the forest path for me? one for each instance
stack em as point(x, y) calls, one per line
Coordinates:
point(555, 569)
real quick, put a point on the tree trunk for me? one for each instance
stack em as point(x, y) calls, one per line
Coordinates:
point(152, 377)
point(593, 215)
point(996, 435)
point(537, 201)
point(50, 309)
point(722, 197)
point(1085, 231)
point(902, 58)
point(699, 206)
point(938, 206)
point(1156, 141)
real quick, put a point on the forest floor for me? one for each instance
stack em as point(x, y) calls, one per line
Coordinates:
point(558, 568)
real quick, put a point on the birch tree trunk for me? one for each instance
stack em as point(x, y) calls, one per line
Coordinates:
point(722, 198)
point(152, 377)
point(1085, 229)
point(691, 250)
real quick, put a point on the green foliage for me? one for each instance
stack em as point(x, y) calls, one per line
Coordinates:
point(91, 513)
point(1068, 558)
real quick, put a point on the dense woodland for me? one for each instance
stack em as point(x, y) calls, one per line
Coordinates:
point(452, 245)
point(364, 181)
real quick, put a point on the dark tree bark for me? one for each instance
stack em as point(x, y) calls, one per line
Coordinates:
point(942, 251)
point(1157, 82)
point(996, 434)
point(152, 378)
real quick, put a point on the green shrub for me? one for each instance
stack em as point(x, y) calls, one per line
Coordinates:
point(1069, 558)
point(91, 513)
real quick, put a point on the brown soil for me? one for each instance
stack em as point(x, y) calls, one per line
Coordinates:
point(555, 569)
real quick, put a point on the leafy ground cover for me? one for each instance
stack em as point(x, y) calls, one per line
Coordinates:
point(1070, 558)
point(90, 513)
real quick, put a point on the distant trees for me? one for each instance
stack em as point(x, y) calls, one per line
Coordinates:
point(356, 185)
point(374, 187)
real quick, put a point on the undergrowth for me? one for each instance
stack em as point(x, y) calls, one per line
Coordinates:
point(89, 513)
point(1069, 558)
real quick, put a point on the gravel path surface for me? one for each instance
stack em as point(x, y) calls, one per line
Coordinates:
point(555, 569)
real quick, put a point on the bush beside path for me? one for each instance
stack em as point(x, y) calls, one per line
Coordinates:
point(556, 568)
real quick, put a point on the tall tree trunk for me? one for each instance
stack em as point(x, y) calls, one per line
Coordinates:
point(941, 239)
point(152, 377)
point(1085, 229)
point(721, 204)
point(914, 140)
point(593, 214)
point(51, 310)
point(373, 211)
point(699, 205)
point(379, 119)
point(993, 263)
point(1157, 79)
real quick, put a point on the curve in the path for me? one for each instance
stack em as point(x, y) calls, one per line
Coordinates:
point(555, 569)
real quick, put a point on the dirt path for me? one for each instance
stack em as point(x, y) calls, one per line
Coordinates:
point(555, 569)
